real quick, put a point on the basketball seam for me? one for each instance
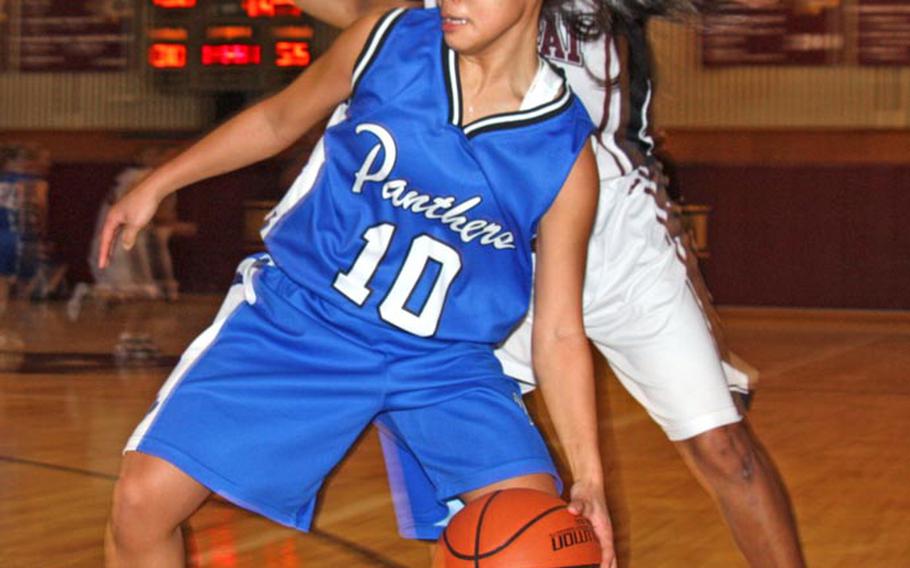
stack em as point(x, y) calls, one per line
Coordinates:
point(483, 512)
point(478, 557)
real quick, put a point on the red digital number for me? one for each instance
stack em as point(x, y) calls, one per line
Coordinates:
point(167, 56)
point(271, 8)
point(292, 54)
point(174, 3)
point(231, 54)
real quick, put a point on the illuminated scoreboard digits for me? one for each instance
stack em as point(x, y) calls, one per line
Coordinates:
point(231, 54)
point(230, 45)
point(174, 3)
point(292, 54)
point(167, 56)
point(271, 8)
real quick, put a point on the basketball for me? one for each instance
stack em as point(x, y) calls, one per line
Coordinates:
point(517, 528)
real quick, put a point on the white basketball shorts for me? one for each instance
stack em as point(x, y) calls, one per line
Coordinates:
point(642, 314)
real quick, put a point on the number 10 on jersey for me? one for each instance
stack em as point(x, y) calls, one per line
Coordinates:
point(354, 283)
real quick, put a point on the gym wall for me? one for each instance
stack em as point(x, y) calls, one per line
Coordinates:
point(806, 169)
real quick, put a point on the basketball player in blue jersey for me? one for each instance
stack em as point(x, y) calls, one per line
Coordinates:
point(646, 307)
point(397, 261)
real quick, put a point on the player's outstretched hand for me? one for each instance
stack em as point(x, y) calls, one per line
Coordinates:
point(126, 218)
point(588, 499)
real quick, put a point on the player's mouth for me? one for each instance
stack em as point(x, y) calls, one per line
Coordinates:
point(450, 23)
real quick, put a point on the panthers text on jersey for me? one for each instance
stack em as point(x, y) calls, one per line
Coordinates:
point(415, 219)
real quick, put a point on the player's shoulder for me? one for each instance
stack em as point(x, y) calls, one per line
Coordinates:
point(394, 40)
point(580, 116)
point(404, 24)
point(572, 108)
point(415, 23)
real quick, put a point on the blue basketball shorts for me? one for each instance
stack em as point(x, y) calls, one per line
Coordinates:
point(268, 399)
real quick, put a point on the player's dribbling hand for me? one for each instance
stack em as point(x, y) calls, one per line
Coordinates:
point(588, 499)
point(127, 217)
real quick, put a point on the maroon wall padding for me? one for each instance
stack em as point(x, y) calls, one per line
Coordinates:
point(203, 263)
point(815, 236)
point(831, 237)
point(206, 261)
point(75, 194)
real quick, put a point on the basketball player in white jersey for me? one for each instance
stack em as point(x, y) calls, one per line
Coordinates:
point(645, 309)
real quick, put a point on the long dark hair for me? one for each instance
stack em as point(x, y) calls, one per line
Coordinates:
point(595, 19)
point(606, 16)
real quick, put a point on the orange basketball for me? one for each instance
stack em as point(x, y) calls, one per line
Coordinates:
point(517, 528)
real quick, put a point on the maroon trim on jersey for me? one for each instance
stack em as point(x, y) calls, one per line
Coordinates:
point(608, 60)
point(605, 116)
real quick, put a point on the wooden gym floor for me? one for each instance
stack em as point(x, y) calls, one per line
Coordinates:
point(833, 409)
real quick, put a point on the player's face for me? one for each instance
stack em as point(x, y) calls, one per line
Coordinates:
point(472, 25)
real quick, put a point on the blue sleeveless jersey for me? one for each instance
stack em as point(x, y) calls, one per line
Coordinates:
point(406, 217)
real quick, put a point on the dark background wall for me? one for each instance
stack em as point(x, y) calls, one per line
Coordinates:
point(815, 236)
point(204, 262)
point(811, 219)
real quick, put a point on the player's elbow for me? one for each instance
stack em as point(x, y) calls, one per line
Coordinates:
point(560, 340)
point(556, 351)
point(349, 12)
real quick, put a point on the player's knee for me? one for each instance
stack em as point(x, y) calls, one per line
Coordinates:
point(134, 524)
point(726, 454)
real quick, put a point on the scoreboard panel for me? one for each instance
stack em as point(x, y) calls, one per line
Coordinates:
point(230, 45)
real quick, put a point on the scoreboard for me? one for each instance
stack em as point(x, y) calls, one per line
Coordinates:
point(230, 45)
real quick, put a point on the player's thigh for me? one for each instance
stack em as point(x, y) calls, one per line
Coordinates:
point(420, 511)
point(420, 514)
point(265, 402)
point(666, 358)
point(471, 437)
point(538, 481)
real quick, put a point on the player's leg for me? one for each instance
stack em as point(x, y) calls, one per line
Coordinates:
point(728, 459)
point(646, 316)
point(538, 481)
point(152, 499)
point(735, 469)
point(419, 512)
point(667, 360)
point(262, 405)
point(421, 515)
point(471, 440)
point(472, 435)
point(742, 377)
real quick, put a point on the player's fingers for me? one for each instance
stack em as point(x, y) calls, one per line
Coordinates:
point(128, 238)
point(577, 506)
point(108, 233)
point(605, 536)
point(606, 545)
point(608, 556)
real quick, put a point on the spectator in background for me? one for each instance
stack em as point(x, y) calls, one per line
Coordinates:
point(9, 223)
point(129, 275)
point(165, 225)
point(25, 252)
point(146, 271)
